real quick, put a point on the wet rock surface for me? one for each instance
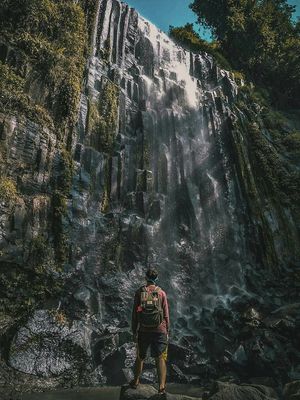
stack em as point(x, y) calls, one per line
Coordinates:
point(144, 392)
point(162, 183)
point(48, 346)
point(229, 391)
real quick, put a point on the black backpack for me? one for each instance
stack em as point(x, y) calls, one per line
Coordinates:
point(151, 314)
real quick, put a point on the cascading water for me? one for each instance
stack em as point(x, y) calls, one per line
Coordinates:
point(171, 193)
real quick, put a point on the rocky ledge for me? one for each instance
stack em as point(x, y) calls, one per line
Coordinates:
point(149, 392)
point(217, 391)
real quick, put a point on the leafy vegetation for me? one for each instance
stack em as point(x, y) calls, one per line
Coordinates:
point(292, 142)
point(47, 41)
point(8, 190)
point(260, 38)
point(62, 187)
point(188, 38)
point(103, 118)
point(42, 275)
point(270, 138)
point(44, 45)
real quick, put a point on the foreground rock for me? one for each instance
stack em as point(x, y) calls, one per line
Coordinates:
point(228, 391)
point(46, 347)
point(145, 392)
point(291, 391)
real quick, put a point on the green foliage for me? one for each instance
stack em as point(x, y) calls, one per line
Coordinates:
point(59, 209)
point(105, 201)
point(270, 138)
point(186, 37)
point(13, 96)
point(273, 172)
point(260, 38)
point(61, 191)
point(90, 10)
point(292, 141)
point(11, 89)
point(249, 94)
point(48, 37)
point(65, 167)
point(40, 271)
point(103, 118)
point(272, 119)
point(8, 190)
point(105, 51)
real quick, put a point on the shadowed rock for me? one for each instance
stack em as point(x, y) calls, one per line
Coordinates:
point(291, 391)
point(146, 392)
point(227, 391)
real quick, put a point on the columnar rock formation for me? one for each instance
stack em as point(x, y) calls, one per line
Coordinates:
point(163, 172)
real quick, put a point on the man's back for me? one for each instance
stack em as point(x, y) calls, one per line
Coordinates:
point(137, 308)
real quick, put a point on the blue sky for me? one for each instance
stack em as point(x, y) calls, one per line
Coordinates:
point(175, 12)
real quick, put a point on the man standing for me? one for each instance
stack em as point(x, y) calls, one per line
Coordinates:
point(150, 327)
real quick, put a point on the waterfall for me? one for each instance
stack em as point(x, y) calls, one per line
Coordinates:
point(171, 192)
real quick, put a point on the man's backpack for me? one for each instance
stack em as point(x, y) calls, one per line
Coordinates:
point(151, 313)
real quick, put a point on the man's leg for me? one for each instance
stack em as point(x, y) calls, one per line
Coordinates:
point(138, 369)
point(142, 345)
point(161, 371)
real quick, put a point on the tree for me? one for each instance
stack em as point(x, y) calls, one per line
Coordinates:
point(259, 37)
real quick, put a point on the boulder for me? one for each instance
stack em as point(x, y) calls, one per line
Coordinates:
point(229, 391)
point(114, 363)
point(49, 345)
point(145, 392)
point(142, 392)
point(291, 391)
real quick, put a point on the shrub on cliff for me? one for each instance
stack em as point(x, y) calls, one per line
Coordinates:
point(8, 190)
point(46, 42)
point(188, 38)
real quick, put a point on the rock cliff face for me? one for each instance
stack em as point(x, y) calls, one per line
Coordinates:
point(171, 163)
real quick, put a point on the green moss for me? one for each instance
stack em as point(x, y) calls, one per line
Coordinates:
point(40, 271)
point(292, 141)
point(65, 167)
point(249, 94)
point(61, 191)
point(273, 173)
point(90, 10)
point(272, 119)
point(105, 201)
point(93, 116)
point(8, 189)
point(103, 118)
point(49, 38)
point(104, 207)
point(105, 51)
point(267, 178)
point(60, 243)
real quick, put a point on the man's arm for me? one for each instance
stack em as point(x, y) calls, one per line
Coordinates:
point(165, 306)
point(134, 318)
